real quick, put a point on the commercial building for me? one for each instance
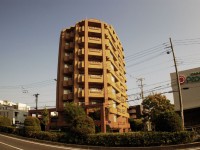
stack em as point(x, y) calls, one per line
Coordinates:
point(91, 73)
point(17, 112)
point(190, 88)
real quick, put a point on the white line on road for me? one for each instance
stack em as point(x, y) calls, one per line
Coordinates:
point(11, 146)
point(47, 145)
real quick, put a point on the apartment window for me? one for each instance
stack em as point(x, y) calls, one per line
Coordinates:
point(66, 54)
point(67, 43)
point(112, 78)
point(66, 78)
point(66, 91)
point(115, 118)
point(95, 90)
point(112, 67)
point(66, 66)
point(114, 104)
point(113, 91)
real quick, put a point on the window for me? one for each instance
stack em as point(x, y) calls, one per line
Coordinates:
point(66, 91)
point(115, 118)
point(113, 91)
point(112, 78)
point(114, 104)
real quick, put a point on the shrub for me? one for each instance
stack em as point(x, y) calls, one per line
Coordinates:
point(72, 111)
point(83, 125)
point(5, 121)
point(167, 122)
point(138, 139)
point(31, 124)
point(7, 129)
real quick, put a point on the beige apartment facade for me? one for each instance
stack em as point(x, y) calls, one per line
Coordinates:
point(91, 73)
point(190, 89)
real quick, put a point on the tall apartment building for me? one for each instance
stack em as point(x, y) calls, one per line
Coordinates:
point(91, 73)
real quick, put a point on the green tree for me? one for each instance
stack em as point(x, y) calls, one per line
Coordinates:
point(5, 121)
point(83, 125)
point(167, 122)
point(31, 124)
point(45, 118)
point(136, 124)
point(154, 104)
point(72, 111)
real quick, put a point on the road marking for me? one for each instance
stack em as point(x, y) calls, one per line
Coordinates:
point(11, 146)
point(47, 145)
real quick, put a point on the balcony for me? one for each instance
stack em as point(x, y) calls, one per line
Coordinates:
point(80, 78)
point(94, 52)
point(81, 64)
point(113, 110)
point(81, 52)
point(69, 57)
point(69, 35)
point(111, 95)
point(68, 70)
point(95, 40)
point(96, 93)
point(81, 29)
point(69, 46)
point(95, 65)
point(96, 78)
point(68, 96)
point(94, 29)
point(81, 94)
point(67, 83)
point(81, 40)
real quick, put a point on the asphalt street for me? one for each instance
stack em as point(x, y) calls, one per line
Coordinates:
point(11, 143)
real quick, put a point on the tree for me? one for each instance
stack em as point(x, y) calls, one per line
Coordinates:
point(168, 122)
point(156, 103)
point(72, 111)
point(136, 124)
point(31, 124)
point(83, 125)
point(5, 121)
point(45, 118)
point(153, 105)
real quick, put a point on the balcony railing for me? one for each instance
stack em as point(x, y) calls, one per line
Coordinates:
point(95, 52)
point(95, 65)
point(94, 40)
point(94, 29)
point(68, 96)
point(69, 57)
point(68, 70)
point(95, 93)
point(96, 78)
point(67, 83)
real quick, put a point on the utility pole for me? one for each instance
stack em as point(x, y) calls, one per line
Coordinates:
point(36, 102)
point(141, 87)
point(179, 85)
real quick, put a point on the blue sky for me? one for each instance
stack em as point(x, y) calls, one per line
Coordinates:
point(29, 40)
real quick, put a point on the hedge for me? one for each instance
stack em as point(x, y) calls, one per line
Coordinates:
point(137, 139)
point(132, 139)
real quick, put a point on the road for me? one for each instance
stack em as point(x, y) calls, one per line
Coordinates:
point(11, 143)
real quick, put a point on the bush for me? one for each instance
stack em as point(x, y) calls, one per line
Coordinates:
point(49, 136)
point(7, 129)
point(167, 122)
point(5, 121)
point(31, 124)
point(83, 125)
point(138, 139)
